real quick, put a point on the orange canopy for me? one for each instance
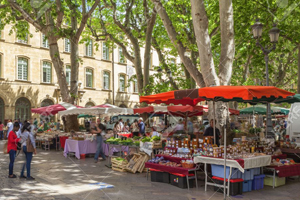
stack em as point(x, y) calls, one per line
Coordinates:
point(251, 94)
point(246, 93)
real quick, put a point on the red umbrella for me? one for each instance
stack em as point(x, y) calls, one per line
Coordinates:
point(54, 109)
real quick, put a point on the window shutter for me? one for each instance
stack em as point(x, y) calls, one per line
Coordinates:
point(67, 45)
point(45, 41)
point(68, 74)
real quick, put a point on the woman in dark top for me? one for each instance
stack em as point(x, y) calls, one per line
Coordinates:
point(12, 142)
point(210, 132)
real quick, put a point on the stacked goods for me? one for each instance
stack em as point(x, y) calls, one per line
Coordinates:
point(137, 163)
point(157, 143)
point(250, 179)
point(119, 164)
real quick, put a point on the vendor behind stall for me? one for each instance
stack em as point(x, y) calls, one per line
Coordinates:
point(99, 129)
point(210, 132)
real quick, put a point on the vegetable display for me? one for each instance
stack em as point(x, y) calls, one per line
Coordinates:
point(155, 138)
point(146, 139)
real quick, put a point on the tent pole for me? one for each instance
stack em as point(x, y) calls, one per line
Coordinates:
point(214, 118)
point(225, 152)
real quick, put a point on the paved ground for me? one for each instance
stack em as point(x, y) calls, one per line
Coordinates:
point(58, 177)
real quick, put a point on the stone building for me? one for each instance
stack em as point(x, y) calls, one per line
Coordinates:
point(28, 80)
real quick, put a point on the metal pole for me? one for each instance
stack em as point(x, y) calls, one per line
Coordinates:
point(269, 119)
point(113, 74)
point(225, 159)
point(214, 122)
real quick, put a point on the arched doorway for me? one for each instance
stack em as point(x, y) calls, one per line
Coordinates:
point(89, 104)
point(47, 102)
point(122, 105)
point(1, 110)
point(22, 109)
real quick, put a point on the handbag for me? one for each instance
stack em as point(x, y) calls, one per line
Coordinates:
point(29, 145)
point(19, 146)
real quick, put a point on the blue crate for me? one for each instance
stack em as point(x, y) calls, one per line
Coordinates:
point(218, 171)
point(247, 186)
point(248, 174)
point(256, 171)
point(258, 182)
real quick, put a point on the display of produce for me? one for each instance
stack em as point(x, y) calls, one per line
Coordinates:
point(281, 162)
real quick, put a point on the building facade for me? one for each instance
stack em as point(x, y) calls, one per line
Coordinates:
point(28, 79)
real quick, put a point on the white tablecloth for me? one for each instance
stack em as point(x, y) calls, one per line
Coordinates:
point(249, 163)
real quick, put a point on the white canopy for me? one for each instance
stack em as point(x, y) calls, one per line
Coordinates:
point(113, 110)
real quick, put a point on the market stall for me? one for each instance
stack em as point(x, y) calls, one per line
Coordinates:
point(54, 109)
point(248, 94)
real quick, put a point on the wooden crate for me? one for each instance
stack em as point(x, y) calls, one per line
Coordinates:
point(137, 163)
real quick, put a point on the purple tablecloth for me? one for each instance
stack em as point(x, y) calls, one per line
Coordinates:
point(87, 146)
point(80, 147)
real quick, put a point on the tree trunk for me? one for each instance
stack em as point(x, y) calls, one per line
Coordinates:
point(197, 76)
point(298, 87)
point(58, 65)
point(200, 22)
point(227, 41)
point(147, 54)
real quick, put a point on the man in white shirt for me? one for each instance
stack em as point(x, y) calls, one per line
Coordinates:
point(121, 124)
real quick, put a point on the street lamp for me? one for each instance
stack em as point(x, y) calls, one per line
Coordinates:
point(274, 36)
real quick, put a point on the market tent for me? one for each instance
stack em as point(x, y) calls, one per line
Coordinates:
point(249, 94)
point(54, 109)
point(280, 110)
point(183, 111)
point(291, 99)
point(262, 109)
point(183, 97)
point(254, 110)
point(113, 110)
point(84, 116)
point(103, 106)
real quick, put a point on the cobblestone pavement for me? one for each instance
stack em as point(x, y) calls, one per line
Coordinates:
point(58, 177)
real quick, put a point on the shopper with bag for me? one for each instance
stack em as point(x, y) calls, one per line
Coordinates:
point(28, 144)
point(12, 146)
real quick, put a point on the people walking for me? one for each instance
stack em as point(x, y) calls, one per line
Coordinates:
point(100, 131)
point(12, 148)
point(1, 131)
point(135, 128)
point(141, 127)
point(29, 147)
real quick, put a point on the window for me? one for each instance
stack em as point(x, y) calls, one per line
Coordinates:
point(67, 45)
point(22, 69)
point(89, 48)
point(105, 52)
point(23, 40)
point(122, 83)
point(47, 72)
point(135, 86)
point(89, 78)
point(106, 80)
point(68, 74)
point(121, 56)
point(45, 41)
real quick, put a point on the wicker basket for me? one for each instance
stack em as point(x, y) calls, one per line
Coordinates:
point(188, 165)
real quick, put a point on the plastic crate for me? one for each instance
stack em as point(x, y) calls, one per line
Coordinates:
point(247, 186)
point(258, 182)
point(248, 174)
point(179, 180)
point(236, 186)
point(256, 171)
point(278, 181)
point(218, 171)
point(159, 176)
